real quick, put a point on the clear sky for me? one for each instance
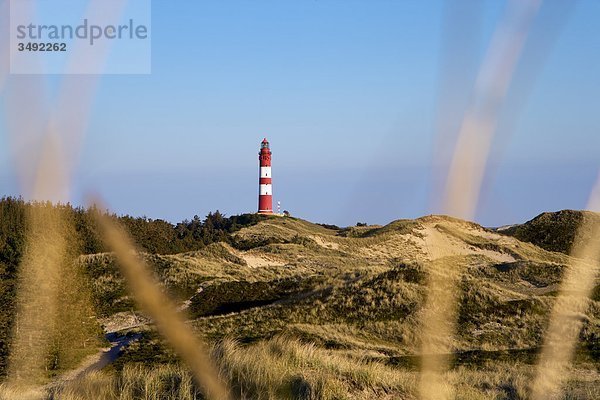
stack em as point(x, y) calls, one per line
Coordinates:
point(348, 93)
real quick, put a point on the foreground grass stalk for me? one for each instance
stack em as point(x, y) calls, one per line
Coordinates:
point(439, 325)
point(168, 321)
point(567, 319)
point(39, 275)
point(469, 161)
point(463, 184)
point(37, 296)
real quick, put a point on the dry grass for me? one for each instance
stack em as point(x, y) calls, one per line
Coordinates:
point(276, 369)
point(167, 382)
point(282, 368)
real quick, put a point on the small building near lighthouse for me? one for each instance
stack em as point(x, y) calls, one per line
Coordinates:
point(265, 183)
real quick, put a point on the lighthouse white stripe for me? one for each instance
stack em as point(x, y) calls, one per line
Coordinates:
point(266, 190)
point(265, 172)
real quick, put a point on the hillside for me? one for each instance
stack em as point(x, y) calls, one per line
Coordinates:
point(554, 231)
point(294, 309)
point(357, 294)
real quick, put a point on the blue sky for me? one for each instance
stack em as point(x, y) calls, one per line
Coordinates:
point(348, 93)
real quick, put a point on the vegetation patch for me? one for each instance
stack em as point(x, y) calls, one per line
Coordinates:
point(219, 298)
point(555, 231)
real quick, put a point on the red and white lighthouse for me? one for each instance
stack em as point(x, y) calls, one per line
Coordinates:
point(265, 192)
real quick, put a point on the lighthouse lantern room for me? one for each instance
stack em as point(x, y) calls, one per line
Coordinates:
point(265, 193)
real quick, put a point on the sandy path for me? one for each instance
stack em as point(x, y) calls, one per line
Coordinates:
point(97, 361)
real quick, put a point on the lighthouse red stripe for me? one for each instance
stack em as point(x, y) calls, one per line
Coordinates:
point(265, 181)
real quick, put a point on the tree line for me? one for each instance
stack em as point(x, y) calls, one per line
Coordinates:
point(155, 236)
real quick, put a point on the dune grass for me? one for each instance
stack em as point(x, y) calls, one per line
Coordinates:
point(283, 368)
point(334, 314)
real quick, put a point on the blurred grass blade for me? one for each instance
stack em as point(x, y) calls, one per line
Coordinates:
point(40, 271)
point(168, 321)
point(570, 307)
point(477, 130)
point(438, 321)
point(463, 186)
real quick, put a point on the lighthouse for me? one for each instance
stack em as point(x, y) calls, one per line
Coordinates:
point(265, 191)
